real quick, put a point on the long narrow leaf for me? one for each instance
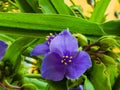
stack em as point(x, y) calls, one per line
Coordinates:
point(46, 6)
point(35, 5)
point(24, 6)
point(13, 55)
point(6, 38)
point(61, 7)
point(112, 27)
point(99, 11)
point(34, 25)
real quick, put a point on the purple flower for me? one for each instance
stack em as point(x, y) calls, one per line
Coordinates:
point(79, 88)
point(64, 59)
point(3, 47)
point(42, 49)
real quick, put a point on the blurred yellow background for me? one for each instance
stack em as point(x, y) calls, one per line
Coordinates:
point(113, 6)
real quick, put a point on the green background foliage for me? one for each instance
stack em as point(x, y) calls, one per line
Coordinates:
point(36, 19)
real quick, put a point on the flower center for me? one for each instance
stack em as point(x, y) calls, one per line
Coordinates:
point(66, 59)
point(50, 38)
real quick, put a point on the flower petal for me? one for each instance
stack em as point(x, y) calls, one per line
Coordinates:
point(81, 87)
point(64, 42)
point(40, 49)
point(79, 65)
point(3, 47)
point(52, 68)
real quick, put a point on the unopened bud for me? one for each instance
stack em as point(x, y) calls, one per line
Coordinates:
point(29, 87)
point(107, 60)
point(82, 40)
point(108, 43)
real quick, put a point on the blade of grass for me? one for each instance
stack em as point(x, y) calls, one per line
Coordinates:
point(112, 27)
point(14, 60)
point(46, 6)
point(34, 25)
point(99, 11)
point(35, 6)
point(61, 7)
point(24, 6)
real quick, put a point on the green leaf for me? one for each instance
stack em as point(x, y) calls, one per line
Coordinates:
point(33, 76)
point(107, 60)
point(38, 83)
point(37, 25)
point(77, 10)
point(82, 40)
point(61, 7)
point(35, 5)
point(113, 72)
point(57, 85)
point(99, 11)
point(87, 84)
point(6, 38)
point(99, 77)
point(24, 6)
point(46, 6)
point(111, 27)
point(119, 1)
point(12, 58)
point(117, 84)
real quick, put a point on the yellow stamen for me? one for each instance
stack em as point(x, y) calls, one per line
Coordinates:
point(46, 38)
point(65, 63)
point(66, 56)
point(35, 61)
point(30, 70)
point(36, 72)
point(51, 34)
point(48, 42)
point(70, 61)
point(62, 61)
point(63, 56)
point(71, 57)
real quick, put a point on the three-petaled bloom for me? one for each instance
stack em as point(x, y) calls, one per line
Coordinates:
point(64, 59)
point(42, 49)
point(3, 47)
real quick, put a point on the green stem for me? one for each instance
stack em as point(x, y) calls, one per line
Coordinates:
point(3, 86)
point(11, 86)
point(12, 3)
point(78, 10)
point(7, 37)
point(38, 76)
point(89, 46)
point(34, 76)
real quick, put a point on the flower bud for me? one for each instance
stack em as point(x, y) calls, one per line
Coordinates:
point(108, 43)
point(1, 64)
point(29, 87)
point(82, 40)
point(107, 60)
